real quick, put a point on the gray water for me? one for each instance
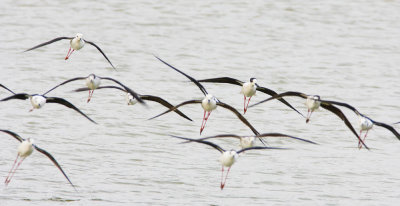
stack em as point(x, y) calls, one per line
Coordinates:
point(342, 50)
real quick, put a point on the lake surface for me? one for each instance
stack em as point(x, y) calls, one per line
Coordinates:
point(341, 50)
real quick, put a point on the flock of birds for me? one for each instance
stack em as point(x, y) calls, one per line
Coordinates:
point(208, 103)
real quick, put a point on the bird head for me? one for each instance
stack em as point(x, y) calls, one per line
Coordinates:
point(79, 36)
point(253, 80)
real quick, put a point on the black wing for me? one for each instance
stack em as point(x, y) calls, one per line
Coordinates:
point(54, 161)
point(144, 97)
point(244, 120)
point(134, 94)
point(387, 127)
point(6, 88)
point(201, 141)
point(175, 107)
point(273, 93)
point(70, 80)
point(343, 105)
point(98, 48)
point(48, 42)
point(164, 103)
point(67, 104)
point(290, 93)
point(340, 114)
point(21, 96)
point(222, 136)
point(16, 136)
point(283, 135)
point(250, 148)
point(101, 87)
point(191, 78)
point(227, 80)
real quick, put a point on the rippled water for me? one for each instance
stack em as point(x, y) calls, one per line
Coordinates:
point(341, 50)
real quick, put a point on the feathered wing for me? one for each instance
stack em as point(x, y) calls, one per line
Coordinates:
point(201, 141)
point(6, 88)
point(134, 94)
point(48, 42)
point(54, 161)
point(283, 135)
point(98, 48)
point(189, 77)
point(258, 148)
point(177, 106)
point(67, 104)
point(340, 114)
point(390, 128)
point(164, 103)
point(69, 80)
point(21, 96)
point(244, 120)
point(227, 80)
point(290, 93)
point(273, 93)
point(16, 136)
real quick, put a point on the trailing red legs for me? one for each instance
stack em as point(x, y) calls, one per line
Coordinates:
point(69, 54)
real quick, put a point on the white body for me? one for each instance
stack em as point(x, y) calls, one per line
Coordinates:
point(228, 158)
point(312, 103)
point(249, 89)
point(209, 103)
point(25, 148)
point(92, 82)
point(130, 99)
point(37, 101)
point(246, 142)
point(77, 42)
point(365, 124)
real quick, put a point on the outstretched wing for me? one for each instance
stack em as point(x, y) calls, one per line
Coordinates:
point(343, 105)
point(16, 136)
point(273, 93)
point(164, 103)
point(283, 135)
point(201, 141)
point(70, 80)
point(67, 104)
point(134, 94)
point(387, 127)
point(48, 42)
point(54, 161)
point(340, 114)
point(250, 148)
point(290, 93)
point(222, 136)
point(176, 107)
point(6, 88)
point(227, 80)
point(21, 96)
point(191, 78)
point(98, 48)
point(244, 120)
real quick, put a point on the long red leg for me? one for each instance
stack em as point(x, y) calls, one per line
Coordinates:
point(15, 162)
point(205, 118)
point(69, 54)
point(365, 136)
point(309, 115)
point(359, 141)
point(12, 174)
point(226, 176)
point(244, 104)
point(222, 177)
point(245, 109)
point(90, 95)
